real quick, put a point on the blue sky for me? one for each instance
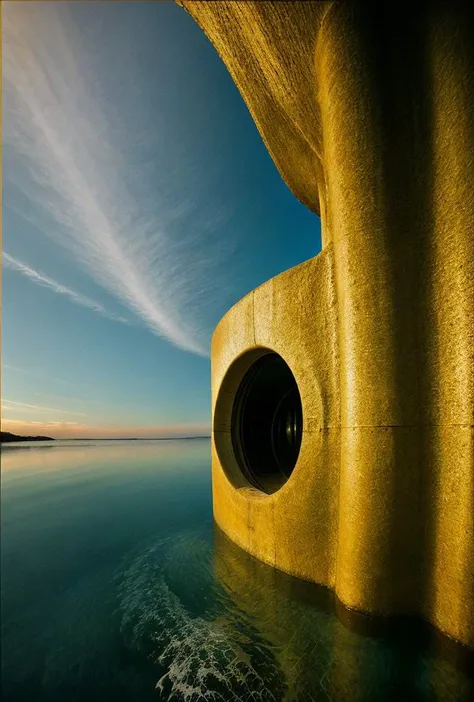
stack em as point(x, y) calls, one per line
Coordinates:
point(139, 204)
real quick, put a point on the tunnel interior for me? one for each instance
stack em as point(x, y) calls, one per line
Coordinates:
point(267, 421)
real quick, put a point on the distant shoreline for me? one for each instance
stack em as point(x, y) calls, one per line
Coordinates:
point(140, 438)
point(6, 438)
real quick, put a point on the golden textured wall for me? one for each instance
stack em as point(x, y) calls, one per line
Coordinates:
point(370, 120)
point(295, 315)
point(323, 653)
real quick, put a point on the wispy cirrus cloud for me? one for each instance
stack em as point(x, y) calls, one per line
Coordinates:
point(21, 406)
point(47, 282)
point(90, 171)
point(41, 375)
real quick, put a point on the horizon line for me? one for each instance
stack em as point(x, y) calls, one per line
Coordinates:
point(111, 438)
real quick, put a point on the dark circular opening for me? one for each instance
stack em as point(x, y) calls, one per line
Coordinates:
point(267, 421)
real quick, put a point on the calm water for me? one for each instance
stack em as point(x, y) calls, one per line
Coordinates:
point(116, 586)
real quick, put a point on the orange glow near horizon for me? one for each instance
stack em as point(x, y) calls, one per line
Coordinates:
point(78, 430)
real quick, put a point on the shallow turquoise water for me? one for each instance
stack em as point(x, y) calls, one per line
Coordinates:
point(116, 586)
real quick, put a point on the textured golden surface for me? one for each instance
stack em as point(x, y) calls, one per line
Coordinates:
point(370, 120)
point(320, 653)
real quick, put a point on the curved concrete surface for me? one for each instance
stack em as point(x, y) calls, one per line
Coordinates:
point(369, 115)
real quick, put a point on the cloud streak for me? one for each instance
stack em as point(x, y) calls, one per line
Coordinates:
point(13, 405)
point(41, 375)
point(46, 282)
point(78, 164)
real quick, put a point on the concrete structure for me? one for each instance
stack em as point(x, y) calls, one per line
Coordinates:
point(369, 116)
point(319, 652)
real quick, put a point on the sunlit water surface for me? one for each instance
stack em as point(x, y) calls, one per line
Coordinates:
point(116, 586)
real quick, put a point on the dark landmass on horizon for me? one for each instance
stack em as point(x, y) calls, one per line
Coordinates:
point(7, 436)
point(138, 438)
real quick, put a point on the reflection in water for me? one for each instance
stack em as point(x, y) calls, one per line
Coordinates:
point(116, 586)
point(174, 611)
point(63, 455)
point(319, 656)
point(222, 625)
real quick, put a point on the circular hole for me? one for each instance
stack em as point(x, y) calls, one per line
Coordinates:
point(267, 421)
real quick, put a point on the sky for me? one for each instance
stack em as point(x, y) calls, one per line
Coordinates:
point(139, 204)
